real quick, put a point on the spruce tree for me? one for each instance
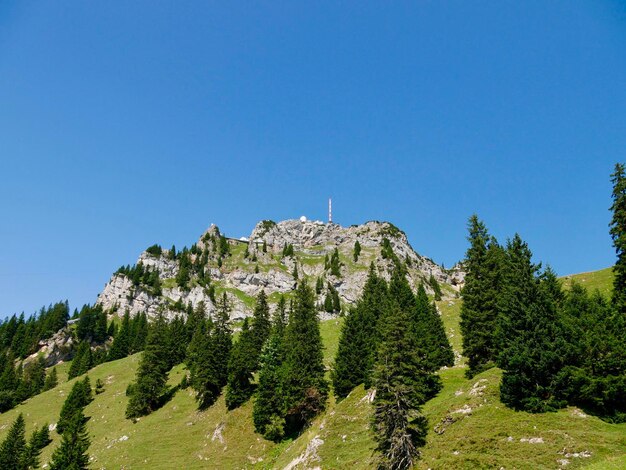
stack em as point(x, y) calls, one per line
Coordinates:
point(51, 380)
point(151, 384)
point(529, 335)
point(402, 386)
point(358, 341)
point(82, 361)
point(269, 405)
point(202, 366)
point(306, 389)
point(72, 452)
point(222, 339)
point(618, 235)
point(357, 251)
point(261, 324)
point(243, 361)
point(483, 265)
point(121, 344)
point(430, 333)
point(13, 449)
point(76, 401)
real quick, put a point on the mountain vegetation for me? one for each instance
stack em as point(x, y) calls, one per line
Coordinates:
point(535, 379)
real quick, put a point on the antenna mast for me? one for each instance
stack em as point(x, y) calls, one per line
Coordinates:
point(330, 211)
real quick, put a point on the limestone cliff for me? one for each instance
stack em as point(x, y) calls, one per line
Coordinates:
point(264, 260)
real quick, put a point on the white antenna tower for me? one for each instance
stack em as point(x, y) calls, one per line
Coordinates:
point(330, 211)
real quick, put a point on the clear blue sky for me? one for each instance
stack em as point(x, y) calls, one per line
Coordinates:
point(124, 123)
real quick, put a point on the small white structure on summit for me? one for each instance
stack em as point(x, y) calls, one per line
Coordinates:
point(303, 218)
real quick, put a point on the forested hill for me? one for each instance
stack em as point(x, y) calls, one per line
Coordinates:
point(525, 370)
point(469, 426)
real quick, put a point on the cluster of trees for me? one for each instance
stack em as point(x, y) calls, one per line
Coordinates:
point(140, 275)
point(555, 347)
point(16, 453)
point(72, 452)
point(22, 336)
point(333, 264)
point(393, 340)
point(18, 339)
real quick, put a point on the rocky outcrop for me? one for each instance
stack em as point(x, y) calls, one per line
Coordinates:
point(262, 266)
point(58, 348)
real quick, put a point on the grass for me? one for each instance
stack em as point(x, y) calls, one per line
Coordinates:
point(601, 280)
point(487, 435)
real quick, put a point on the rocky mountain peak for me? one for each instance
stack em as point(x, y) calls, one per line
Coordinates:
point(273, 258)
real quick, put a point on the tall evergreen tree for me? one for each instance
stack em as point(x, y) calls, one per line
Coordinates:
point(121, 344)
point(530, 336)
point(80, 396)
point(618, 235)
point(51, 380)
point(243, 361)
point(222, 339)
point(430, 333)
point(306, 389)
point(402, 386)
point(13, 449)
point(261, 324)
point(151, 384)
point(203, 369)
point(72, 452)
point(269, 405)
point(82, 362)
point(483, 265)
point(358, 341)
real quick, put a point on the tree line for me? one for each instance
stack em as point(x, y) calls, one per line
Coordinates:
point(555, 347)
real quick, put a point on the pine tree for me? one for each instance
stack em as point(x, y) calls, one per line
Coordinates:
point(177, 341)
point(402, 386)
point(357, 251)
point(151, 384)
point(72, 452)
point(242, 362)
point(430, 333)
point(76, 401)
point(222, 339)
point(269, 405)
point(13, 448)
point(483, 265)
point(358, 341)
point(335, 264)
point(529, 335)
point(261, 324)
point(434, 284)
point(306, 389)
point(51, 380)
point(82, 362)
point(203, 370)
point(121, 344)
point(618, 235)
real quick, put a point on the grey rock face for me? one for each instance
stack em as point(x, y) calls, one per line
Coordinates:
point(238, 277)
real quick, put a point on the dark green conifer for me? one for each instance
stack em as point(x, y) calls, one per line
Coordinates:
point(72, 452)
point(529, 335)
point(483, 264)
point(121, 344)
point(402, 386)
point(242, 363)
point(51, 380)
point(357, 251)
point(261, 324)
point(306, 389)
point(151, 384)
point(618, 235)
point(13, 449)
point(77, 400)
point(203, 369)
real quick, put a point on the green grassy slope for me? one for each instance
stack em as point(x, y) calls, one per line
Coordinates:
point(469, 427)
point(601, 280)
